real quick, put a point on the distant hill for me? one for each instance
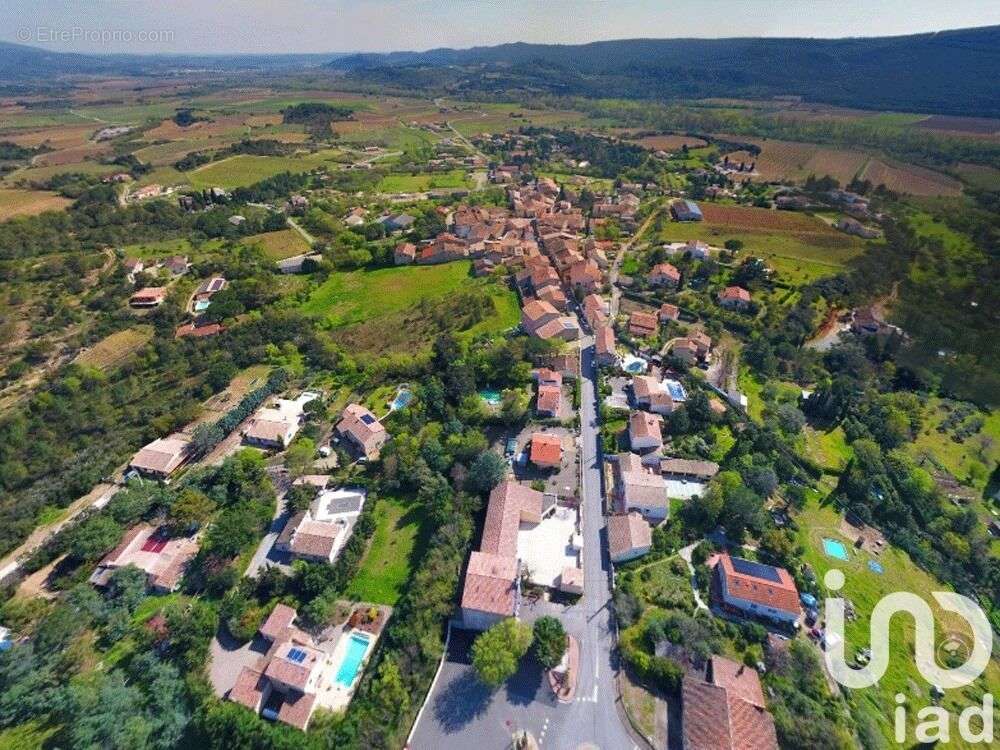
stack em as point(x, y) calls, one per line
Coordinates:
point(20, 62)
point(952, 72)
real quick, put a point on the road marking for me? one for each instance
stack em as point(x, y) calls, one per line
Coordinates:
point(595, 694)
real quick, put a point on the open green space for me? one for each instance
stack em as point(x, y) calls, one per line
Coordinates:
point(411, 183)
point(827, 447)
point(32, 735)
point(864, 589)
point(285, 243)
point(355, 296)
point(391, 557)
point(951, 437)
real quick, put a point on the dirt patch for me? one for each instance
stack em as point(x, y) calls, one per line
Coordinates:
point(74, 155)
point(670, 142)
point(116, 348)
point(741, 217)
point(908, 178)
point(29, 203)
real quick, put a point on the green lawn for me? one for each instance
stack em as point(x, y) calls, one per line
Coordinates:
point(828, 448)
point(284, 243)
point(355, 296)
point(412, 183)
point(390, 559)
point(865, 588)
point(244, 169)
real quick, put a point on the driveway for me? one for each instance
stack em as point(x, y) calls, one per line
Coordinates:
point(265, 552)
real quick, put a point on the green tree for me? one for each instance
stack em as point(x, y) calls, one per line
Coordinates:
point(497, 652)
point(300, 456)
point(191, 509)
point(486, 472)
point(550, 640)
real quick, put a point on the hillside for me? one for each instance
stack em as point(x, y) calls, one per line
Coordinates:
point(946, 72)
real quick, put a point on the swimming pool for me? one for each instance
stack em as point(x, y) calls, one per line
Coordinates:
point(201, 304)
point(491, 396)
point(403, 397)
point(634, 364)
point(835, 549)
point(676, 390)
point(357, 647)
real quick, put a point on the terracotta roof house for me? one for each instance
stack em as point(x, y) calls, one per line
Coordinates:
point(605, 351)
point(161, 458)
point(284, 684)
point(404, 254)
point(642, 324)
point(652, 394)
point(150, 296)
point(209, 287)
point(734, 297)
point(320, 532)
point(640, 489)
point(690, 350)
point(276, 426)
point(683, 468)
point(563, 327)
point(585, 275)
point(549, 392)
point(546, 450)
point(595, 310)
point(536, 314)
point(629, 537)
point(555, 296)
point(491, 590)
point(756, 589)
point(154, 551)
point(725, 710)
point(664, 274)
point(133, 265)
point(362, 430)
point(192, 329)
point(644, 431)
point(176, 264)
point(669, 312)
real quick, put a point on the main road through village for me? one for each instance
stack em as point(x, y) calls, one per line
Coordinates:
point(460, 713)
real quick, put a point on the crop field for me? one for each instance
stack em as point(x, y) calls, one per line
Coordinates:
point(243, 170)
point(670, 142)
point(800, 247)
point(865, 588)
point(411, 183)
point(111, 351)
point(979, 176)
point(29, 202)
point(43, 174)
point(790, 160)
point(980, 126)
point(279, 245)
point(56, 138)
point(909, 178)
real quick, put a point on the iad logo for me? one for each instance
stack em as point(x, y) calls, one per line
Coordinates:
point(935, 720)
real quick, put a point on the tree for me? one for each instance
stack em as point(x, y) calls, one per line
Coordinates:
point(191, 510)
point(486, 472)
point(496, 653)
point(300, 456)
point(93, 538)
point(513, 406)
point(550, 640)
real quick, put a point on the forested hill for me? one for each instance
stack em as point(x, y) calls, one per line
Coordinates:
point(953, 72)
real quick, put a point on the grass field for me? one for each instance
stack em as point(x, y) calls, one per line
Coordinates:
point(865, 588)
point(412, 183)
point(355, 296)
point(243, 170)
point(29, 202)
point(969, 460)
point(828, 448)
point(390, 559)
point(32, 735)
point(279, 245)
point(670, 142)
point(800, 247)
point(110, 352)
point(979, 176)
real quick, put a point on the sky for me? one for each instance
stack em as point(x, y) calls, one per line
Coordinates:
point(280, 26)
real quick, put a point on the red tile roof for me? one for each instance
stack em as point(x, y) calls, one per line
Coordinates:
point(642, 323)
point(508, 501)
point(669, 312)
point(296, 709)
point(490, 583)
point(546, 450)
point(781, 594)
point(248, 689)
point(278, 622)
point(735, 293)
point(717, 715)
point(628, 533)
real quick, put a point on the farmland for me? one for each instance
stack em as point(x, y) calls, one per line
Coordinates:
point(911, 179)
point(242, 170)
point(29, 202)
point(670, 142)
point(788, 160)
point(411, 183)
point(110, 352)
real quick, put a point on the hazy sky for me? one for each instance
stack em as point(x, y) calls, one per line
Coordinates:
point(216, 26)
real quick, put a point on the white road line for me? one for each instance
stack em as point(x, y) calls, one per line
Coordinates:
point(595, 694)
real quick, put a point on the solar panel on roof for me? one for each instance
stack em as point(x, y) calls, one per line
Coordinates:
point(297, 655)
point(755, 569)
point(367, 418)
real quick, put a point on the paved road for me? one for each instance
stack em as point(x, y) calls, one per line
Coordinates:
point(460, 713)
point(616, 293)
point(265, 553)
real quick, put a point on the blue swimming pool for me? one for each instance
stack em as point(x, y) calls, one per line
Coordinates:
point(357, 646)
point(201, 304)
point(402, 399)
point(491, 396)
point(634, 364)
point(835, 549)
point(676, 390)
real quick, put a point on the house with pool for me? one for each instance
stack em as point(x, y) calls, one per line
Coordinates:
point(297, 675)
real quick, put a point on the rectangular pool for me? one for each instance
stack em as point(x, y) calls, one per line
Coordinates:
point(835, 549)
point(357, 647)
